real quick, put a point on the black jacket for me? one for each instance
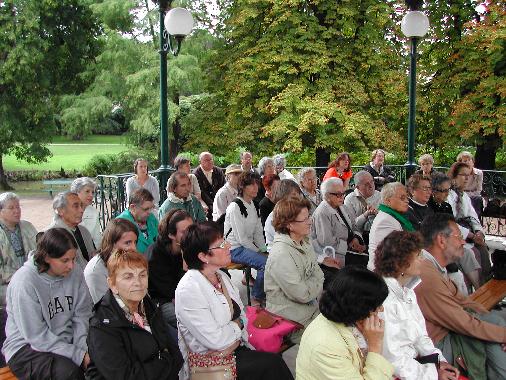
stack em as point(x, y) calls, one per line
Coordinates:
point(417, 213)
point(387, 175)
point(207, 190)
point(165, 271)
point(122, 350)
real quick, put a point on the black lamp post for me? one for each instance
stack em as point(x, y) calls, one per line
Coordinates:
point(175, 25)
point(415, 25)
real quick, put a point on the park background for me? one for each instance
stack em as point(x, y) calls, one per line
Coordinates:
point(79, 83)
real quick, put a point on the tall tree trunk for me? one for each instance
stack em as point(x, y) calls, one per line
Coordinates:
point(322, 159)
point(486, 151)
point(3, 177)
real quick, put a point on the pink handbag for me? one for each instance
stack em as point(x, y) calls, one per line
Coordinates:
point(266, 330)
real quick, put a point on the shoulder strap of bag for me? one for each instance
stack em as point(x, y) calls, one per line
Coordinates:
point(242, 207)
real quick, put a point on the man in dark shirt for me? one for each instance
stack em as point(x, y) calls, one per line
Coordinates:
point(211, 179)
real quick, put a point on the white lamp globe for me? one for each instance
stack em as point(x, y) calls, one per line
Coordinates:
point(178, 22)
point(415, 24)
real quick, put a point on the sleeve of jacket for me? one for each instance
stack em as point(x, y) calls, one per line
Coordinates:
point(338, 364)
point(322, 225)
point(193, 312)
point(406, 367)
point(155, 191)
point(444, 310)
point(287, 275)
point(83, 306)
point(200, 215)
point(26, 311)
point(258, 238)
point(355, 211)
point(239, 228)
point(109, 355)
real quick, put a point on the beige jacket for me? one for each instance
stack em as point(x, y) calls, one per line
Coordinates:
point(329, 351)
point(293, 280)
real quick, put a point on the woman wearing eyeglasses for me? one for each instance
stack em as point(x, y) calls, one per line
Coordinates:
point(293, 279)
point(210, 312)
point(420, 190)
point(333, 231)
point(466, 216)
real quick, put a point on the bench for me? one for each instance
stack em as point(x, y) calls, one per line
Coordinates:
point(247, 272)
point(490, 294)
point(56, 184)
point(6, 374)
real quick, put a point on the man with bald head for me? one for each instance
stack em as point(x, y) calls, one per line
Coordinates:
point(211, 179)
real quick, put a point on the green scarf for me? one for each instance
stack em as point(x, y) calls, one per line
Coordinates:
point(406, 224)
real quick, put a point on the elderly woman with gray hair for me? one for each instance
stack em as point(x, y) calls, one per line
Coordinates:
point(17, 239)
point(280, 163)
point(333, 231)
point(85, 188)
point(390, 217)
point(309, 185)
point(265, 167)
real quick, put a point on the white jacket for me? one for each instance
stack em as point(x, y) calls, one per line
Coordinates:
point(203, 315)
point(466, 210)
point(406, 335)
point(383, 224)
point(92, 223)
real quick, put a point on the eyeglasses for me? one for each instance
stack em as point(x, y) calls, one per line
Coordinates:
point(441, 190)
point(338, 194)
point(308, 219)
point(464, 175)
point(425, 188)
point(458, 236)
point(223, 244)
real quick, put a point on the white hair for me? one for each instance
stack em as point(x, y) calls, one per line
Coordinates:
point(80, 183)
point(264, 161)
point(6, 197)
point(279, 160)
point(305, 171)
point(201, 155)
point(325, 187)
point(388, 191)
point(360, 176)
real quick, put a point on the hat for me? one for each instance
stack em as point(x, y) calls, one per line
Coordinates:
point(234, 168)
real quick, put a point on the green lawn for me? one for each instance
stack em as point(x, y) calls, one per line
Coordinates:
point(71, 154)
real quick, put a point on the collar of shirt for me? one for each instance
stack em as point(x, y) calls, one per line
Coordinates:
point(428, 256)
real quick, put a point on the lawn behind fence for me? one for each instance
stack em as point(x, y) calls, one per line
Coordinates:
point(70, 154)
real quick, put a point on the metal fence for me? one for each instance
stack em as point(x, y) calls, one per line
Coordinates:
point(110, 197)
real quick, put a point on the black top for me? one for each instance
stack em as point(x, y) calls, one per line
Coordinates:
point(386, 176)
point(440, 208)
point(120, 349)
point(209, 190)
point(165, 270)
point(417, 213)
point(266, 207)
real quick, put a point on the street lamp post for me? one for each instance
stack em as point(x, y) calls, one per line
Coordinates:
point(175, 24)
point(415, 25)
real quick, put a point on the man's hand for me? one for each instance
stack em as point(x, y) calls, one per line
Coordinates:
point(479, 238)
point(86, 361)
point(355, 246)
point(447, 372)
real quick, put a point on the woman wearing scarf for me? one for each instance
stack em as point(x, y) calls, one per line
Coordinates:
point(390, 217)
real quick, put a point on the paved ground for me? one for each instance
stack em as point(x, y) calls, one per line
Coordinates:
point(37, 210)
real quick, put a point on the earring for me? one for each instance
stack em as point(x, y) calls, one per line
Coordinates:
point(402, 274)
point(207, 262)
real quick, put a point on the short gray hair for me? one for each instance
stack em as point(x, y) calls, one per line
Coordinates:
point(80, 183)
point(264, 161)
point(181, 160)
point(6, 197)
point(361, 175)
point(201, 155)
point(325, 187)
point(305, 171)
point(279, 160)
point(426, 157)
point(388, 191)
point(61, 201)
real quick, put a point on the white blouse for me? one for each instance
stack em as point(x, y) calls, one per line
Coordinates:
point(406, 334)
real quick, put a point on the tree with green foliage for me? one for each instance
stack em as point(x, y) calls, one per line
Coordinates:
point(44, 46)
point(303, 76)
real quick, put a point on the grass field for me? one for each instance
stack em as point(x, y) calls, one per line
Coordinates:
point(71, 154)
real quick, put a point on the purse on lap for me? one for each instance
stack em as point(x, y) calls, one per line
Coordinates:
point(267, 330)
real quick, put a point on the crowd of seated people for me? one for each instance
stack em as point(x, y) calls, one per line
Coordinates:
point(162, 302)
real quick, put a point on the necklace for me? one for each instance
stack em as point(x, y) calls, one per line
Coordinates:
point(217, 284)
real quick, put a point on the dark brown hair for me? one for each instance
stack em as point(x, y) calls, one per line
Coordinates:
point(140, 196)
point(112, 234)
point(414, 181)
point(197, 239)
point(245, 179)
point(455, 169)
point(137, 161)
point(285, 212)
point(54, 243)
point(395, 252)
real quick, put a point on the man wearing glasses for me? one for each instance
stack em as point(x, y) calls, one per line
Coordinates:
point(457, 325)
point(139, 212)
point(333, 231)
